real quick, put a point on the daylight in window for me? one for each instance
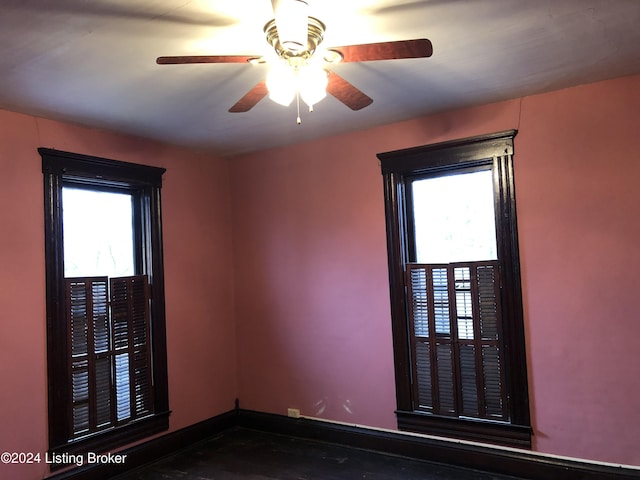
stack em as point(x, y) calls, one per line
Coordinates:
point(98, 233)
point(454, 218)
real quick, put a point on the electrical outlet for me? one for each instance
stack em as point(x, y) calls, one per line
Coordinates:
point(293, 412)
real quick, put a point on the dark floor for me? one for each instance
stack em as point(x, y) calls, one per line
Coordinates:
point(246, 454)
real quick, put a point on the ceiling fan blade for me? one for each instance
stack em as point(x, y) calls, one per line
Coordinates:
point(181, 60)
point(419, 48)
point(351, 96)
point(251, 98)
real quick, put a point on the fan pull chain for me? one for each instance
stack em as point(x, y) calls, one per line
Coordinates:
point(298, 121)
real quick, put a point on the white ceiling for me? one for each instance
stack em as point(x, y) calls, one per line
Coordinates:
point(93, 62)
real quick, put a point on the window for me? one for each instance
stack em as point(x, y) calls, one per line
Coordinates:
point(106, 343)
point(455, 290)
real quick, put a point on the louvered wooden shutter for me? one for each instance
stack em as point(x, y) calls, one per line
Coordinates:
point(132, 352)
point(455, 330)
point(109, 351)
point(90, 354)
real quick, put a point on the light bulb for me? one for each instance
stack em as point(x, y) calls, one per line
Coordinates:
point(281, 83)
point(312, 84)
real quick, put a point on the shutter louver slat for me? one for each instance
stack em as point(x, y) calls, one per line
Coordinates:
point(468, 380)
point(420, 304)
point(139, 311)
point(103, 391)
point(493, 388)
point(77, 316)
point(487, 302)
point(80, 398)
point(141, 377)
point(423, 366)
point(80, 418)
point(80, 382)
point(445, 378)
point(119, 314)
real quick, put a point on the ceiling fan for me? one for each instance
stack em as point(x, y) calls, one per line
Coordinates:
point(302, 69)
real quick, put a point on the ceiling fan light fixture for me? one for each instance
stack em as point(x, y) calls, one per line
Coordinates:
point(285, 81)
point(291, 22)
point(282, 83)
point(312, 84)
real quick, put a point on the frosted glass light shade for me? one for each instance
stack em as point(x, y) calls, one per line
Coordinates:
point(282, 84)
point(312, 84)
point(285, 81)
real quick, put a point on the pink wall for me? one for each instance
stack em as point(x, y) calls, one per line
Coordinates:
point(313, 328)
point(199, 297)
point(578, 202)
point(311, 278)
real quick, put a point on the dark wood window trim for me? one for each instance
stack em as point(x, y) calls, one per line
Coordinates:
point(144, 182)
point(398, 169)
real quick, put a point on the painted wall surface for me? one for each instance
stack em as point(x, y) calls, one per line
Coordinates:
point(199, 297)
point(578, 214)
point(311, 277)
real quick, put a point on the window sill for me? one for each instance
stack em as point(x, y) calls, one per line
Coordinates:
point(497, 433)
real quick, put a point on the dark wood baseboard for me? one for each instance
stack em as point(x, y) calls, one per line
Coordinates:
point(480, 457)
point(508, 462)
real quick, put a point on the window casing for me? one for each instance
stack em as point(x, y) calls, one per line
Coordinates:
point(95, 323)
point(480, 347)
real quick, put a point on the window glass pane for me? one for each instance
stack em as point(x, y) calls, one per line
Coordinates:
point(98, 233)
point(454, 218)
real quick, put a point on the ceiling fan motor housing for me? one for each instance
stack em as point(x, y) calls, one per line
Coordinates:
point(315, 35)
